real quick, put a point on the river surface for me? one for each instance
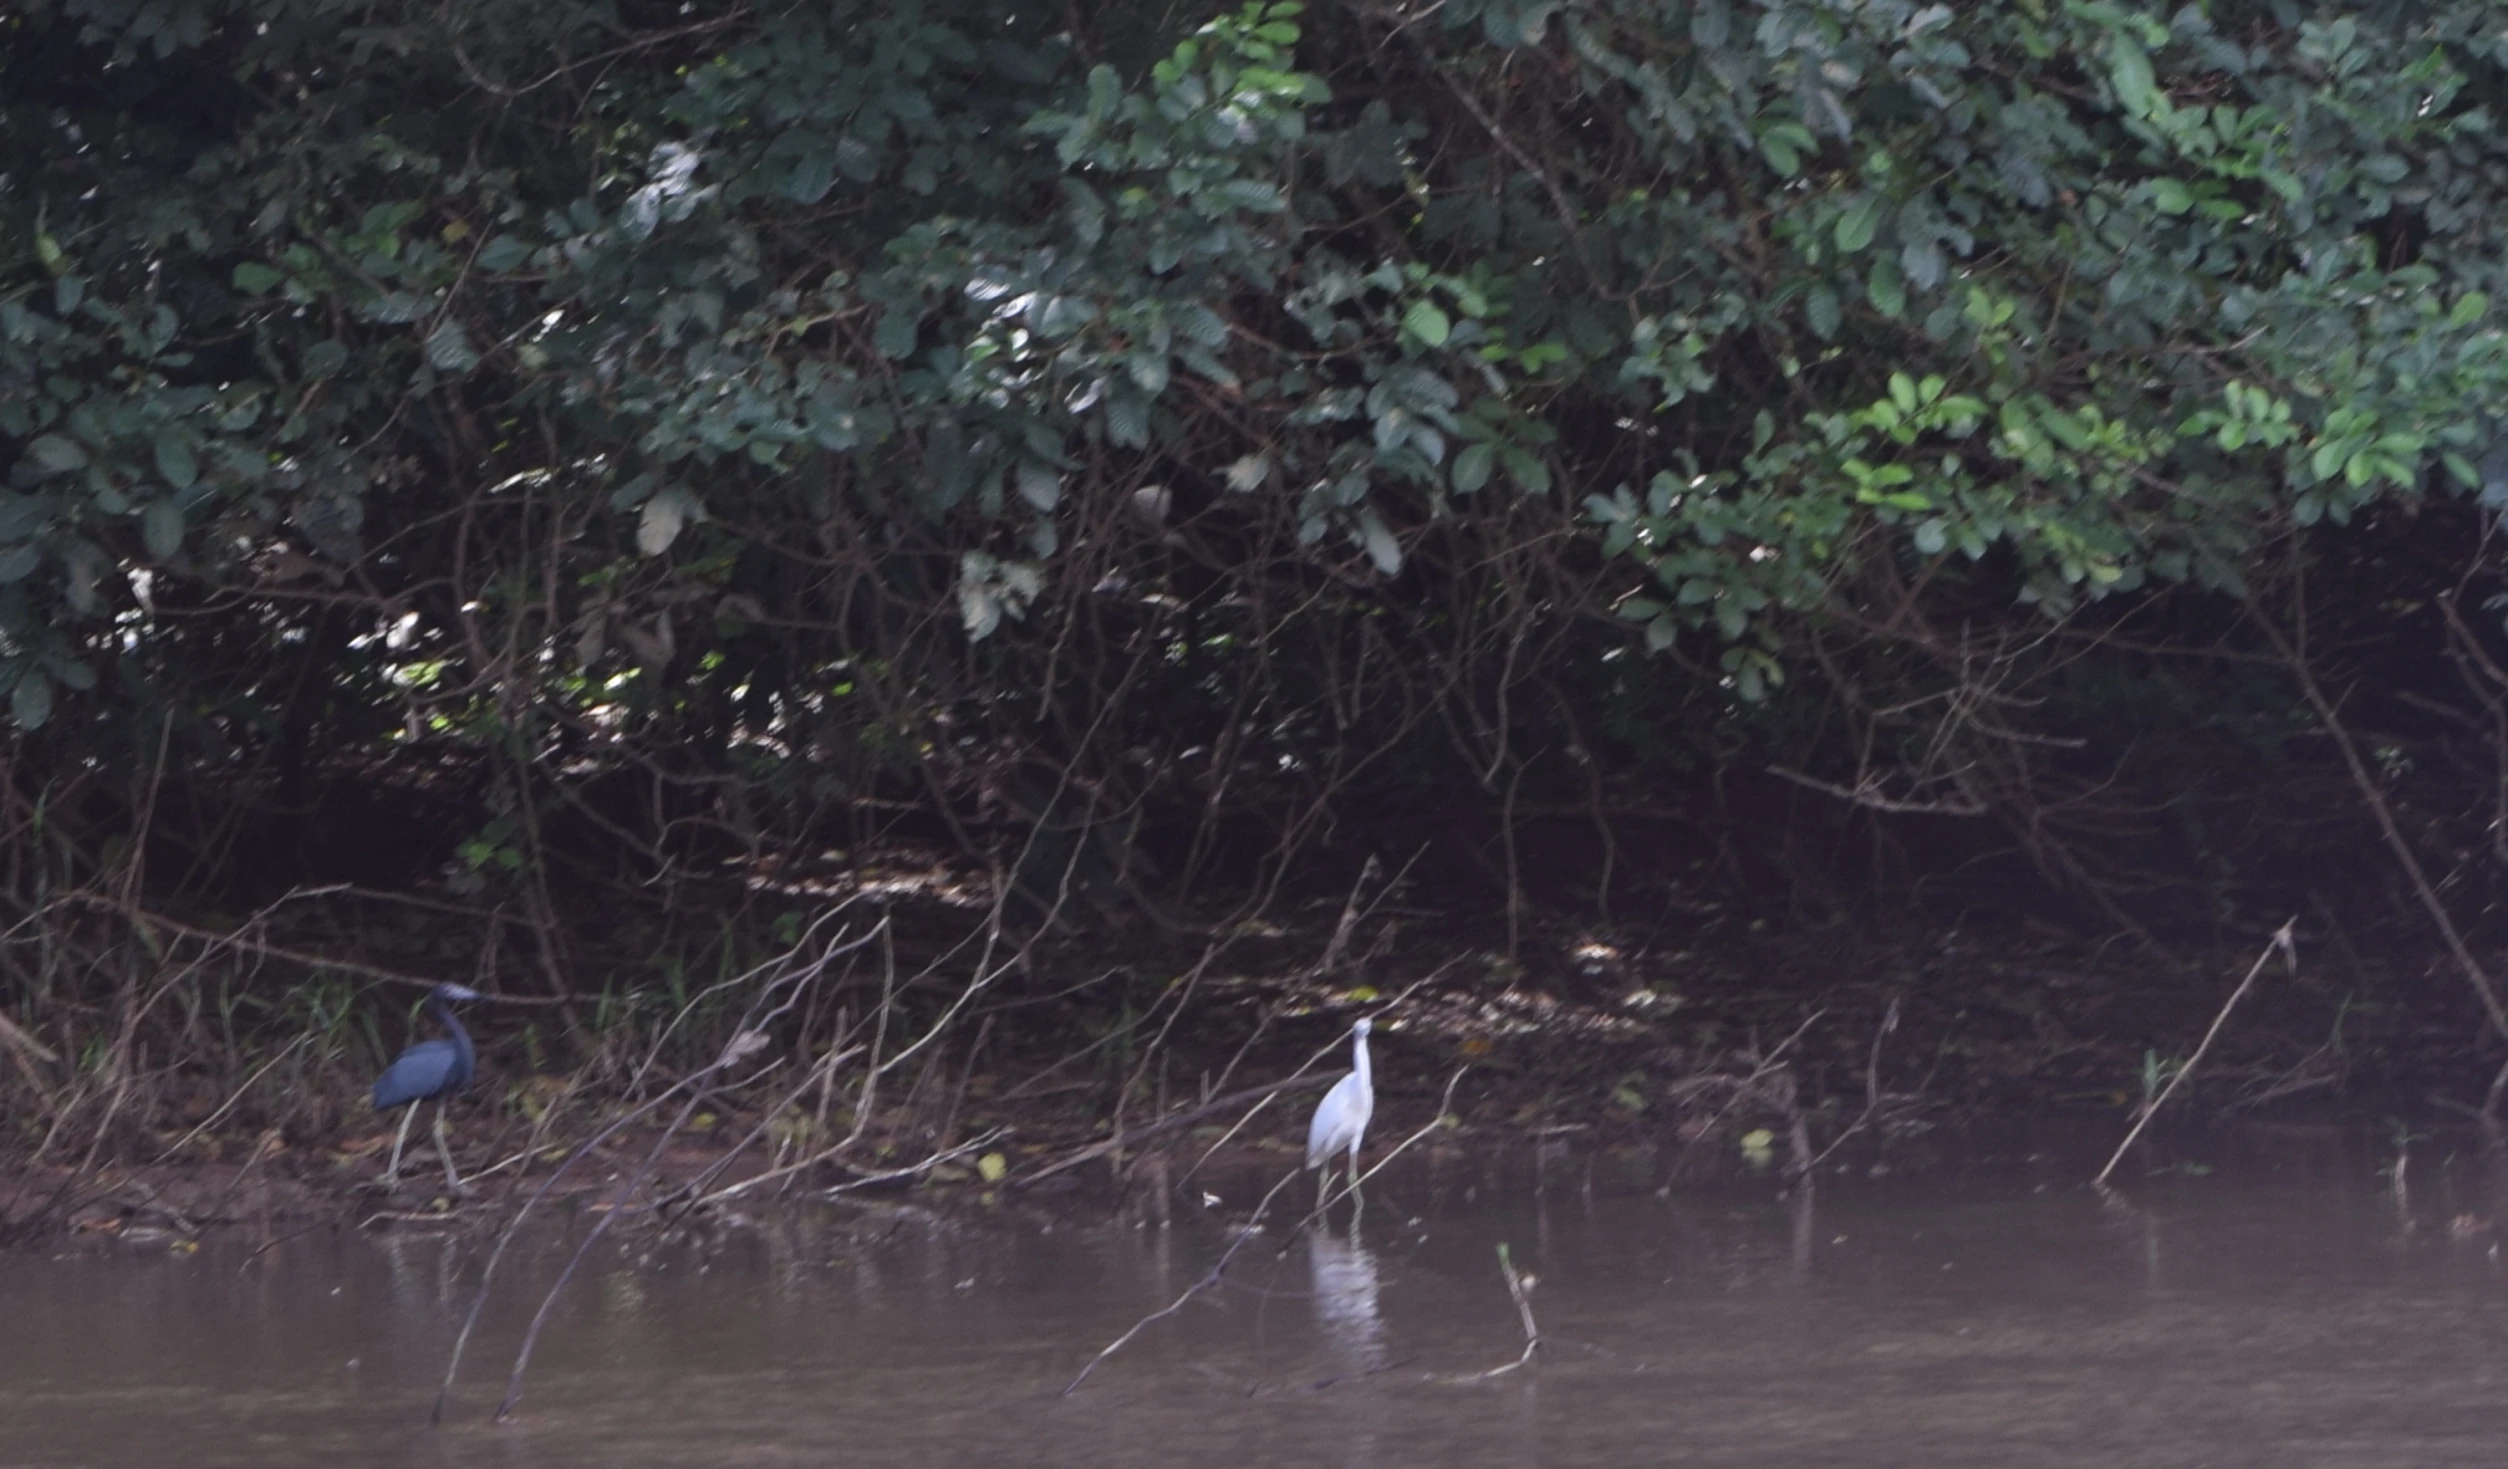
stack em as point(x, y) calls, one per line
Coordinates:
point(2284, 1308)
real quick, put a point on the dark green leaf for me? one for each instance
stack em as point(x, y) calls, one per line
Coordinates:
point(30, 703)
point(55, 454)
point(1820, 310)
point(1529, 473)
point(1060, 316)
point(1856, 227)
point(161, 529)
point(1040, 485)
point(1127, 419)
point(811, 177)
point(2137, 87)
point(503, 253)
point(1252, 195)
point(174, 459)
point(1887, 287)
point(393, 307)
point(448, 347)
point(897, 334)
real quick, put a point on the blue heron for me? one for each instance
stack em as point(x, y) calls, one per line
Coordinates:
point(437, 1069)
point(1341, 1118)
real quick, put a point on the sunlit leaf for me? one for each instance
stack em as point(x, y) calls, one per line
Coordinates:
point(1382, 548)
point(1426, 322)
point(1247, 474)
point(663, 517)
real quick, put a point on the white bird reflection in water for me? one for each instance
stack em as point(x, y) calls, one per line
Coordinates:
point(1345, 1302)
point(1344, 1276)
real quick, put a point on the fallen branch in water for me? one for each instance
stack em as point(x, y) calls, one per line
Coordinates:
point(2281, 941)
point(1519, 1290)
point(1246, 1231)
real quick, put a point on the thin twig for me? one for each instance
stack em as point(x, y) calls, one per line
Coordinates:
point(1262, 1095)
point(1338, 947)
point(744, 1039)
point(1760, 1067)
point(16, 1036)
point(696, 1187)
point(916, 1170)
point(238, 1095)
point(1872, 1090)
point(2373, 795)
point(513, 1227)
point(2280, 941)
point(741, 1044)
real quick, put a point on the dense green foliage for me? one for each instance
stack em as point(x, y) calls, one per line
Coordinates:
point(1264, 416)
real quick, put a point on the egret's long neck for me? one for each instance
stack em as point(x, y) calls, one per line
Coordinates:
point(1358, 1063)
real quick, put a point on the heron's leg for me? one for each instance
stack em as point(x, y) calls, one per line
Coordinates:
point(444, 1150)
point(392, 1175)
point(1358, 1200)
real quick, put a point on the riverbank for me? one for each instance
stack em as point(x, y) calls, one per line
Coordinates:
point(1111, 1064)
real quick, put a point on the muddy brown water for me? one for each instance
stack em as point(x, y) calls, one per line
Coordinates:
point(2284, 1308)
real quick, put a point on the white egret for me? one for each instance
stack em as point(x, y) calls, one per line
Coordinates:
point(1341, 1118)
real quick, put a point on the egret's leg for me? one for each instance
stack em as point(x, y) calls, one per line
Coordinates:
point(1358, 1200)
point(444, 1150)
point(392, 1175)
